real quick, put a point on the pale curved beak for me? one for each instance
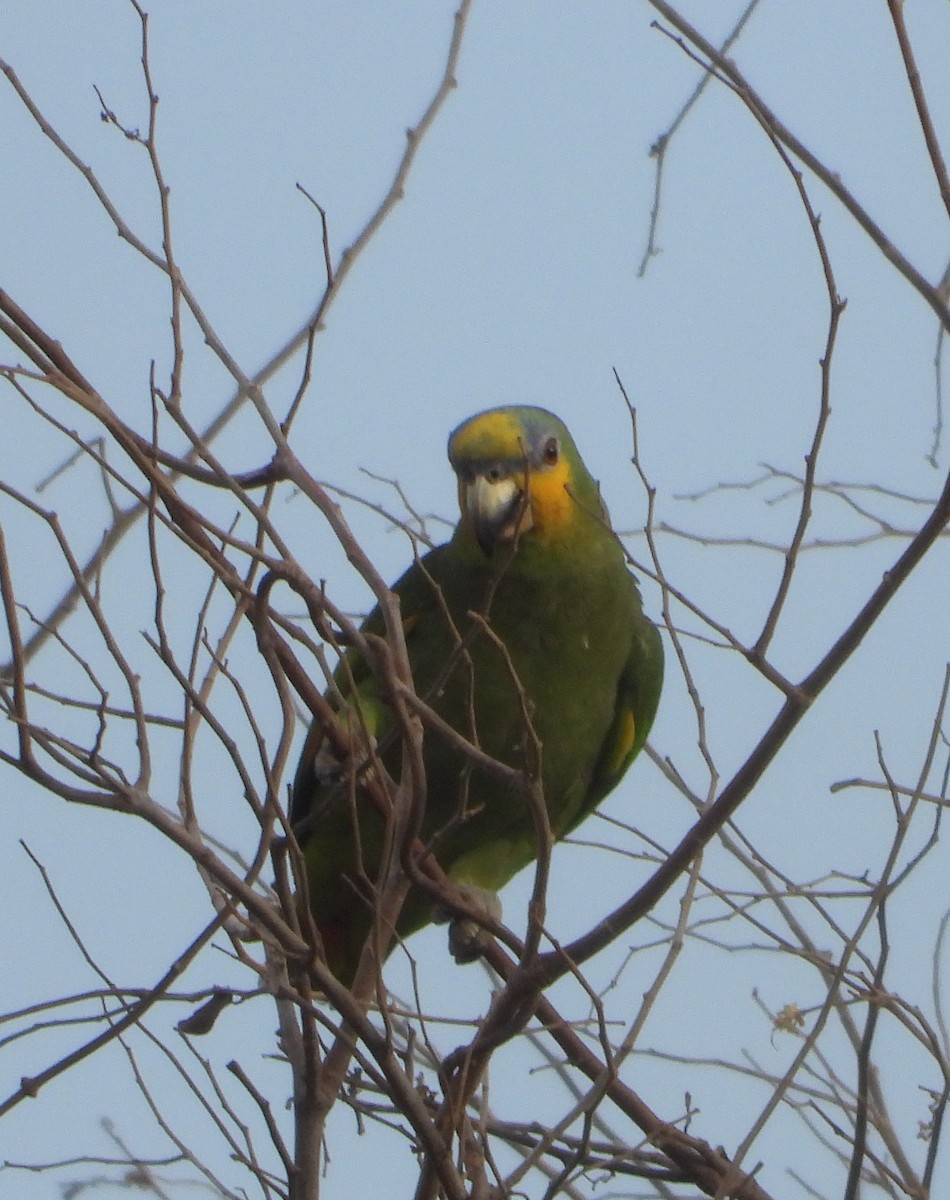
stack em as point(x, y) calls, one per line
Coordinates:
point(497, 508)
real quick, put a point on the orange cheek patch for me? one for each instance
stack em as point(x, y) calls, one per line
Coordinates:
point(551, 503)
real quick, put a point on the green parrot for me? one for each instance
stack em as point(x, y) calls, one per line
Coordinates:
point(534, 555)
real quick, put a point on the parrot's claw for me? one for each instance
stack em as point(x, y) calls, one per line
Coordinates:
point(467, 938)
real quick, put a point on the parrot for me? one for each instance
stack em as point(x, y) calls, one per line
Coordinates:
point(526, 616)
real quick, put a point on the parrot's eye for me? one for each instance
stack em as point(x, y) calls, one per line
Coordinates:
point(551, 451)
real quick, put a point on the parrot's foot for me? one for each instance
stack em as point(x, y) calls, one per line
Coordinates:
point(467, 938)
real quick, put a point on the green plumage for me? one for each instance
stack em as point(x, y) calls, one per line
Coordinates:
point(535, 554)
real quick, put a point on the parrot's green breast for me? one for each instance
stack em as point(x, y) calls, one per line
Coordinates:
point(560, 664)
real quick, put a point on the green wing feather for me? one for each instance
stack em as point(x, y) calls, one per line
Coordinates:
point(638, 697)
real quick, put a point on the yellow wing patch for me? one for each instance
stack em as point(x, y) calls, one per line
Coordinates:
point(624, 736)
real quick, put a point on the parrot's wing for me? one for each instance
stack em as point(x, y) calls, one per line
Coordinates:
point(638, 694)
point(321, 778)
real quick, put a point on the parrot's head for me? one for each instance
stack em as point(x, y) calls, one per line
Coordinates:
point(520, 476)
